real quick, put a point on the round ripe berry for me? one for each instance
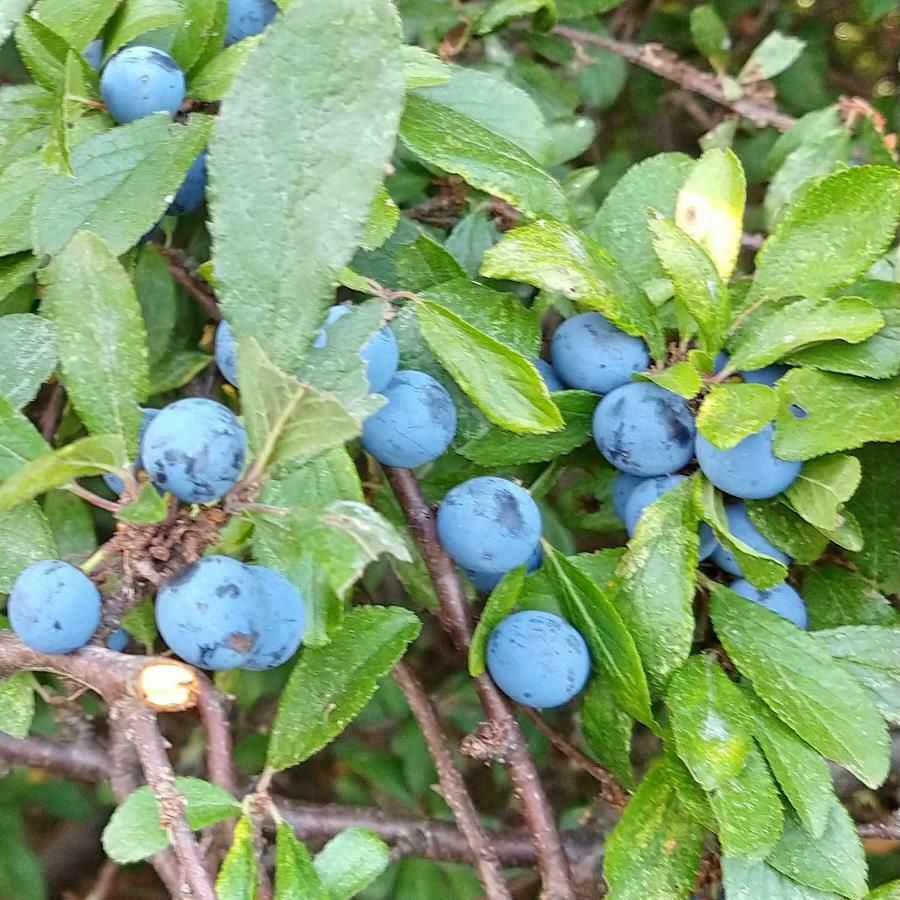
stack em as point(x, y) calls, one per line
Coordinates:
point(781, 599)
point(140, 81)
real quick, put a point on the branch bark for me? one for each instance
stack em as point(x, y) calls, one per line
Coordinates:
point(454, 616)
point(195, 287)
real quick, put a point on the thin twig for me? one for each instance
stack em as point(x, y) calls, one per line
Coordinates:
point(453, 788)
point(219, 745)
point(52, 412)
point(94, 499)
point(195, 287)
point(84, 762)
point(454, 616)
point(655, 58)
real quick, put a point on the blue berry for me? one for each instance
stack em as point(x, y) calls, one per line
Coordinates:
point(644, 430)
point(118, 640)
point(195, 450)
point(381, 355)
point(538, 659)
point(246, 18)
point(590, 353)
point(226, 352)
point(54, 607)
point(487, 581)
point(743, 529)
point(210, 613)
point(284, 622)
point(781, 599)
point(93, 54)
point(623, 485)
point(749, 470)
point(548, 374)
point(140, 81)
point(769, 375)
point(415, 426)
point(192, 192)
point(113, 482)
point(489, 524)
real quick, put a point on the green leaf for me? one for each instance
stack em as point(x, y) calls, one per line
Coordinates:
point(710, 722)
point(322, 178)
point(78, 25)
point(134, 831)
point(458, 144)
point(787, 531)
point(778, 329)
point(238, 879)
point(20, 184)
point(775, 53)
point(607, 729)
point(26, 539)
point(823, 413)
point(833, 862)
point(803, 685)
point(159, 298)
point(71, 524)
point(140, 623)
point(621, 225)
point(15, 272)
point(853, 212)
point(657, 579)
point(836, 596)
point(499, 605)
point(287, 420)
point(176, 369)
point(710, 34)
point(11, 11)
point(424, 263)
point(28, 354)
point(57, 151)
point(17, 704)
point(504, 385)
point(808, 129)
point(148, 508)
point(88, 456)
point(136, 17)
point(699, 290)
point(421, 68)
point(383, 218)
point(886, 892)
point(331, 684)
point(654, 850)
point(590, 609)
point(748, 810)
point(710, 207)
point(101, 338)
point(681, 378)
point(802, 774)
point(45, 51)
point(734, 411)
point(872, 656)
point(556, 258)
point(200, 37)
point(124, 181)
point(294, 872)
point(879, 557)
point(21, 872)
point(212, 81)
point(822, 488)
point(351, 861)
point(759, 569)
point(749, 880)
point(502, 11)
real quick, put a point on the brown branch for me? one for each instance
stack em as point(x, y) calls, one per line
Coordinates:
point(94, 499)
point(81, 761)
point(219, 745)
point(454, 616)
point(195, 287)
point(50, 415)
point(453, 788)
point(881, 831)
point(655, 58)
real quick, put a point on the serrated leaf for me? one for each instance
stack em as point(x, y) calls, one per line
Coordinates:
point(556, 258)
point(710, 35)
point(807, 129)
point(318, 182)
point(57, 151)
point(710, 722)
point(331, 684)
point(72, 526)
point(497, 607)
point(591, 610)
point(834, 862)
point(78, 25)
point(422, 68)
point(287, 420)
point(45, 52)
point(456, 143)
point(136, 17)
point(88, 456)
point(504, 385)
point(502, 11)
point(472, 236)
point(802, 774)
point(497, 447)
point(802, 685)
point(710, 207)
point(749, 880)
point(699, 290)
point(779, 524)
point(886, 892)
point(212, 81)
point(681, 378)
point(734, 411)
point(654, 850)
point(238, 878)
point(201, 35)
point(657, 577)
point(759, 569)
point(17, 704)
point(779, 329)
point(27, 356)
point(100, 335)
point(294, 872)
point(383, 218)
point(134, 831)
point(159, 298)
point(853, 212)
point(424, 263)
point(148, 508)
point(820, 412)
point(775, 53)
point(748, 810)
point(621, 225)
point(836, 596)
point(124, 181)
point(140, 623)
point(15, 272)
point(607, 731)
point(822, 488)
point(20, 184)
point(351, 861)
point(26, 539)
point(176, 369)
